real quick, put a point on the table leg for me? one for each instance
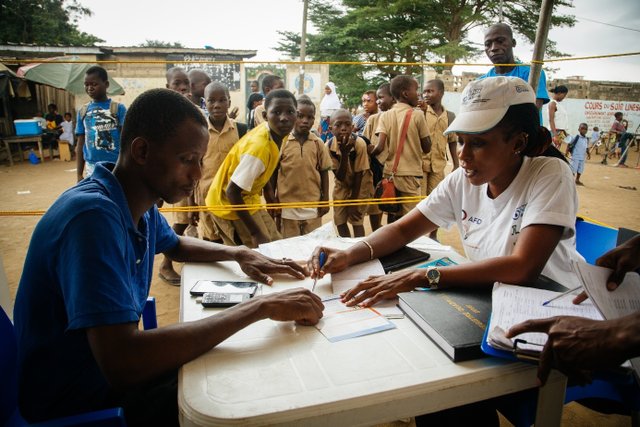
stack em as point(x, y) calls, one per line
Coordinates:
point(9, 153)
point(20, 152)
point(551, 400)
point(40, 150)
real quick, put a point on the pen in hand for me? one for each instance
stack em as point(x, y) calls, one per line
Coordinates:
point(560, 296)
point(321, 261)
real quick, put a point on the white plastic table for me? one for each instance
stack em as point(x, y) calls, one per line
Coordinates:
point(279, 373)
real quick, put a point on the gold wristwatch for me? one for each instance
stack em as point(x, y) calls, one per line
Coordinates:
point(433, 277)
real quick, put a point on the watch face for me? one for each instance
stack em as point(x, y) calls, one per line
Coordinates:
point(433, 275)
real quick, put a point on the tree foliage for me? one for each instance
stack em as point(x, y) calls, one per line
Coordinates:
point(392, 31)
point(44, 22)
point(160, 43)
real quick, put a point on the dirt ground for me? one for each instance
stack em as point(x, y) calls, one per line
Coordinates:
point(610, 195)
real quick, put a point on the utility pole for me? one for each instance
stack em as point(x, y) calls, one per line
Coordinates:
point(541, 42)
point(303, 46)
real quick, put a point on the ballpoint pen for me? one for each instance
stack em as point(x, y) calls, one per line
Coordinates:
point(321, 261)
point(561, 295)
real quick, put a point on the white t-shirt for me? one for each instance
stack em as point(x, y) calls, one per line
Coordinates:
point(561, 117)
point(67, 132)
point(543, 192)
point(248, 170)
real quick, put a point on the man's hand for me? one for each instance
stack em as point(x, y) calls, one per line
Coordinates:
point(376, 288)
point(297, 304)
point(346, 144)
point(576, 345)
point(621, 260)
point(260, 267)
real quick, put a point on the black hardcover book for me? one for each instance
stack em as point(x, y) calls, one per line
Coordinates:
point(402, 258)
point(455, 319)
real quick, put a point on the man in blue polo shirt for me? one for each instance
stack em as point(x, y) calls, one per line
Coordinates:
point(498, 45)
point(88, 270)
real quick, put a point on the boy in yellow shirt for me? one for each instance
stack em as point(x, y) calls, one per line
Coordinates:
point(246, 171)
point(352, 172)
point(407, 179)
point(303, 174)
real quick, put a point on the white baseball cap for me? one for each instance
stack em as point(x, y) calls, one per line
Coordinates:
point(485, 102)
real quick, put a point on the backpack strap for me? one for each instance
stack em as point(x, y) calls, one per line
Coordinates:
point(451, 116)
point(241, 128)
point(403, 137)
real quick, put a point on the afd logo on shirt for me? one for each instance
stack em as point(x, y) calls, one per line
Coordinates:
point(517, 220)
point(467, 222)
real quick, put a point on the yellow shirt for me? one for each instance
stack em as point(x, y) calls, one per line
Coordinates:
point(436, 159)
point(259, 152)
point(391, 122)
point(220, 142)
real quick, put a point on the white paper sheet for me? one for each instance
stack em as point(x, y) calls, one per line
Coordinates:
point(341, 322)
point(514, 304)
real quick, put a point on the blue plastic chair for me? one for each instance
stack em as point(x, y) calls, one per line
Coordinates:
point(9, 413)
point(593, 240)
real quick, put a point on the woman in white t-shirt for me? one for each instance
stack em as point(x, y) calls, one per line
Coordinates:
point(515, 211)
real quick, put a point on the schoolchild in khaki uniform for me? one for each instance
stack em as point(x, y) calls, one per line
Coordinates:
point(269, 83)
point(303, 174)
point(353, 174)
point(385, 101)
point(223, 134)
point(438, 119)
point(408, 177)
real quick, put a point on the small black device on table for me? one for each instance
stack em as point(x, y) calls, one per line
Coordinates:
point(217, 293)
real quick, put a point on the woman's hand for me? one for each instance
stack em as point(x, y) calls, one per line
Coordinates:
point(376, 288)
point(335, 261)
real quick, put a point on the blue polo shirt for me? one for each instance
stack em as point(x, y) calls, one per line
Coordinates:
point(88, 265)
point(522, 71)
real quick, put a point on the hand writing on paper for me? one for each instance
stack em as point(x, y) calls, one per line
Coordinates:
point(377, 288)
point(260, 267)
point(336, 260)
point(621, 260)
point(297, 304)
point(576, 345)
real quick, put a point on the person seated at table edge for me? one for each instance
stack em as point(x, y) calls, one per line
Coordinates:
point(576, 345)
point(515, 211)
point(88, 272)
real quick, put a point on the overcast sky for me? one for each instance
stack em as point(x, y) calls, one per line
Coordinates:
point(253, 24)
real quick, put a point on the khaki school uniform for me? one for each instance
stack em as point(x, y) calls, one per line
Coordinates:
point(220, 142)
point(342, 190)
point(258, 116)
point(299, 181)
point(434, 162)
point(370, 133)
point(408, 177)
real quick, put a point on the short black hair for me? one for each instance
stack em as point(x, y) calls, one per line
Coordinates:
point(370, 93)
point(305, 100)
point(155, 116)
point(171, 71)
point(385, 87)
point(618, 114)
point(269, 80)
point(52, 105)
point(338, 112)
point(502, 25)
point(560, 89)
point(254, 97)
point(438, 83)
point(67, 114)
point(99, 71)
point(401, 83)
point(279, 94)
point(217, 85)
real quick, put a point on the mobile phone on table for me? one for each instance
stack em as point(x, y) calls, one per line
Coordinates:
point(223, 286)
point(223, 299)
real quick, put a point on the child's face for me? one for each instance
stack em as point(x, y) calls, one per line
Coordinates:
point(67, 117)
point(217, 104)
point(341, 125)
point(95, 87)
point(411, 95)
point(305, 118)
point(583, 130)
point(254, 87)
point(179, 82)
point(384, 100)
point(281, 116)
point(432, 94)
point(369, 104)
point(256, 103)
